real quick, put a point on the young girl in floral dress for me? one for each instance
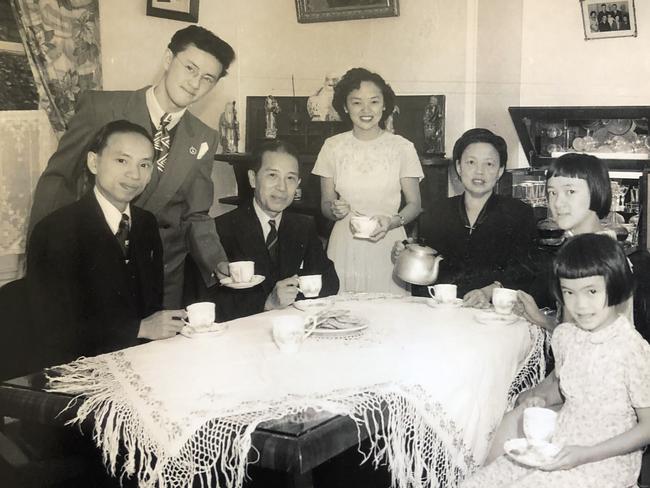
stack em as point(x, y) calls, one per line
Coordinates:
point(365, 171)
point(602, 374)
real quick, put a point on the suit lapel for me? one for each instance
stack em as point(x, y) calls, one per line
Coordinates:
point(102, 247)
point(180, 162)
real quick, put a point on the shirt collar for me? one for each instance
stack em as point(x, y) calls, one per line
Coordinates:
point(489, 203)
point(264, 218)
point(602, 336)
point(111, 213)
point(156, 112)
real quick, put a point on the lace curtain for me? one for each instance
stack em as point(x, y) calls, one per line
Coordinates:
point(26, 143)
point(61, 38)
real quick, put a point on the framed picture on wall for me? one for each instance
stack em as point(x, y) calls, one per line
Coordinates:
point(185, 10)
point(331, 10)
point(603, 20)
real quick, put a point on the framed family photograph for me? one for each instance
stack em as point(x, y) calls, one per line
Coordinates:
point(332, 10)
point(602, 20)
point(185, 10)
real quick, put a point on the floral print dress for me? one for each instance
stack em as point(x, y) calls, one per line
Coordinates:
point(604, 376)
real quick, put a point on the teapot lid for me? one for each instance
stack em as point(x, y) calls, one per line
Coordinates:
point(421, 249)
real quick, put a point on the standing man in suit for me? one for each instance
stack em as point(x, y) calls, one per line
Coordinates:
point(181, 191)
point(94, 267)
point(283, 245)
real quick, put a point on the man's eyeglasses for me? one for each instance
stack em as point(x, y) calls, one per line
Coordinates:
point(195, 72)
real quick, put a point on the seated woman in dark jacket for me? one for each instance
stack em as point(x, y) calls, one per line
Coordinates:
point(486, 239)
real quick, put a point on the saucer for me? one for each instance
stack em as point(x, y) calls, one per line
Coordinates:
point(435, 303)
point(530, 454)
point(255, 280)
point(314, 305)
point(490, 317)
point(202, 331)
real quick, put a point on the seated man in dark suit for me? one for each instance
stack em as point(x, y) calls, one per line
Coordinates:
point(94, 267)
point(283, 245)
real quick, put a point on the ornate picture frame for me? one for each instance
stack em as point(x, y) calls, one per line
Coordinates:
point(607, 19)
point(185, 10)
point(309, 11)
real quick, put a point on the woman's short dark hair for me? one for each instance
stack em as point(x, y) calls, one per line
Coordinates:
point(481, 135)
point(594, 255)
point(591, 169)
point(273, 145)
point(205, 41)
point(352, 81)
point(116, 127)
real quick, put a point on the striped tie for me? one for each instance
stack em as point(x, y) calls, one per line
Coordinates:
point(272, 242)
point(161, 142)
point(122, 235)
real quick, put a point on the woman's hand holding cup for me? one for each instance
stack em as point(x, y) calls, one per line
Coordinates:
point(381, 228)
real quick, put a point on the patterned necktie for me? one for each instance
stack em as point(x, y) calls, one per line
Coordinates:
point(122, 235)
point(272, 242)
point(161, 142)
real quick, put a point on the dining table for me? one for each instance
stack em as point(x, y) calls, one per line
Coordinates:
point(424, 384)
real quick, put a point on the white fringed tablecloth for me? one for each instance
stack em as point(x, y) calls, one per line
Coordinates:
point(185, 407)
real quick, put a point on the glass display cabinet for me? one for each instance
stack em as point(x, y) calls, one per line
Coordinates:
point(616, 134)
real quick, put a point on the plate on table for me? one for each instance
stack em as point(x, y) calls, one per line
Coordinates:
point(314, 305)
point(435, 303)
point(338, 322)
point(203, 330)
point(255, 280)
point(490, 317)
point(330, 327)
point(533, 454)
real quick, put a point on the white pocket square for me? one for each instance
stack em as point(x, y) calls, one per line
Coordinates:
point(202, 150)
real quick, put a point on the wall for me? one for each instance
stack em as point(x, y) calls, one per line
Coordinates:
point(498, 68)
point(423, 51)
point(420, 52)
point(558, 67)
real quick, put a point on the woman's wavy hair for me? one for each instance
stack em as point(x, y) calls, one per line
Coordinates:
point(352, 81)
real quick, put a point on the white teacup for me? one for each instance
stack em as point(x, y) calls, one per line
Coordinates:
point(443, 293)
point(539, 424)
point(310, 285)
point(289, 332)
point(504, 300)
point(241, 271)
point(362, 226)
point(200, 314)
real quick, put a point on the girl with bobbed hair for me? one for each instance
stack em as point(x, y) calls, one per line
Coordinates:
point(600, 387)
point(579, 195)
point(365, 171)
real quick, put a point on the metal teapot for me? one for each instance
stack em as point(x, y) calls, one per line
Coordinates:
point(417, 264)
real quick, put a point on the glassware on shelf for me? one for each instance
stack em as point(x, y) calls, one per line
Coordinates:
point(554, 131)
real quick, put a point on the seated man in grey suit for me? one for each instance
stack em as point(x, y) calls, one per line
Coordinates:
point(282, 244)
point(94, 267)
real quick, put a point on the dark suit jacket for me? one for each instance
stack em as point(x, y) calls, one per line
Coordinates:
point(501, 247)
point(180, 201)
point(243, 239)
point(82, 299)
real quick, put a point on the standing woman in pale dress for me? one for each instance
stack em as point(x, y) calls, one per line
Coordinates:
point(365, 171)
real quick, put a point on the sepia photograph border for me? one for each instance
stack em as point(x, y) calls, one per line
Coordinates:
point(307, 14)
point(156, 8)
point(585, 7)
